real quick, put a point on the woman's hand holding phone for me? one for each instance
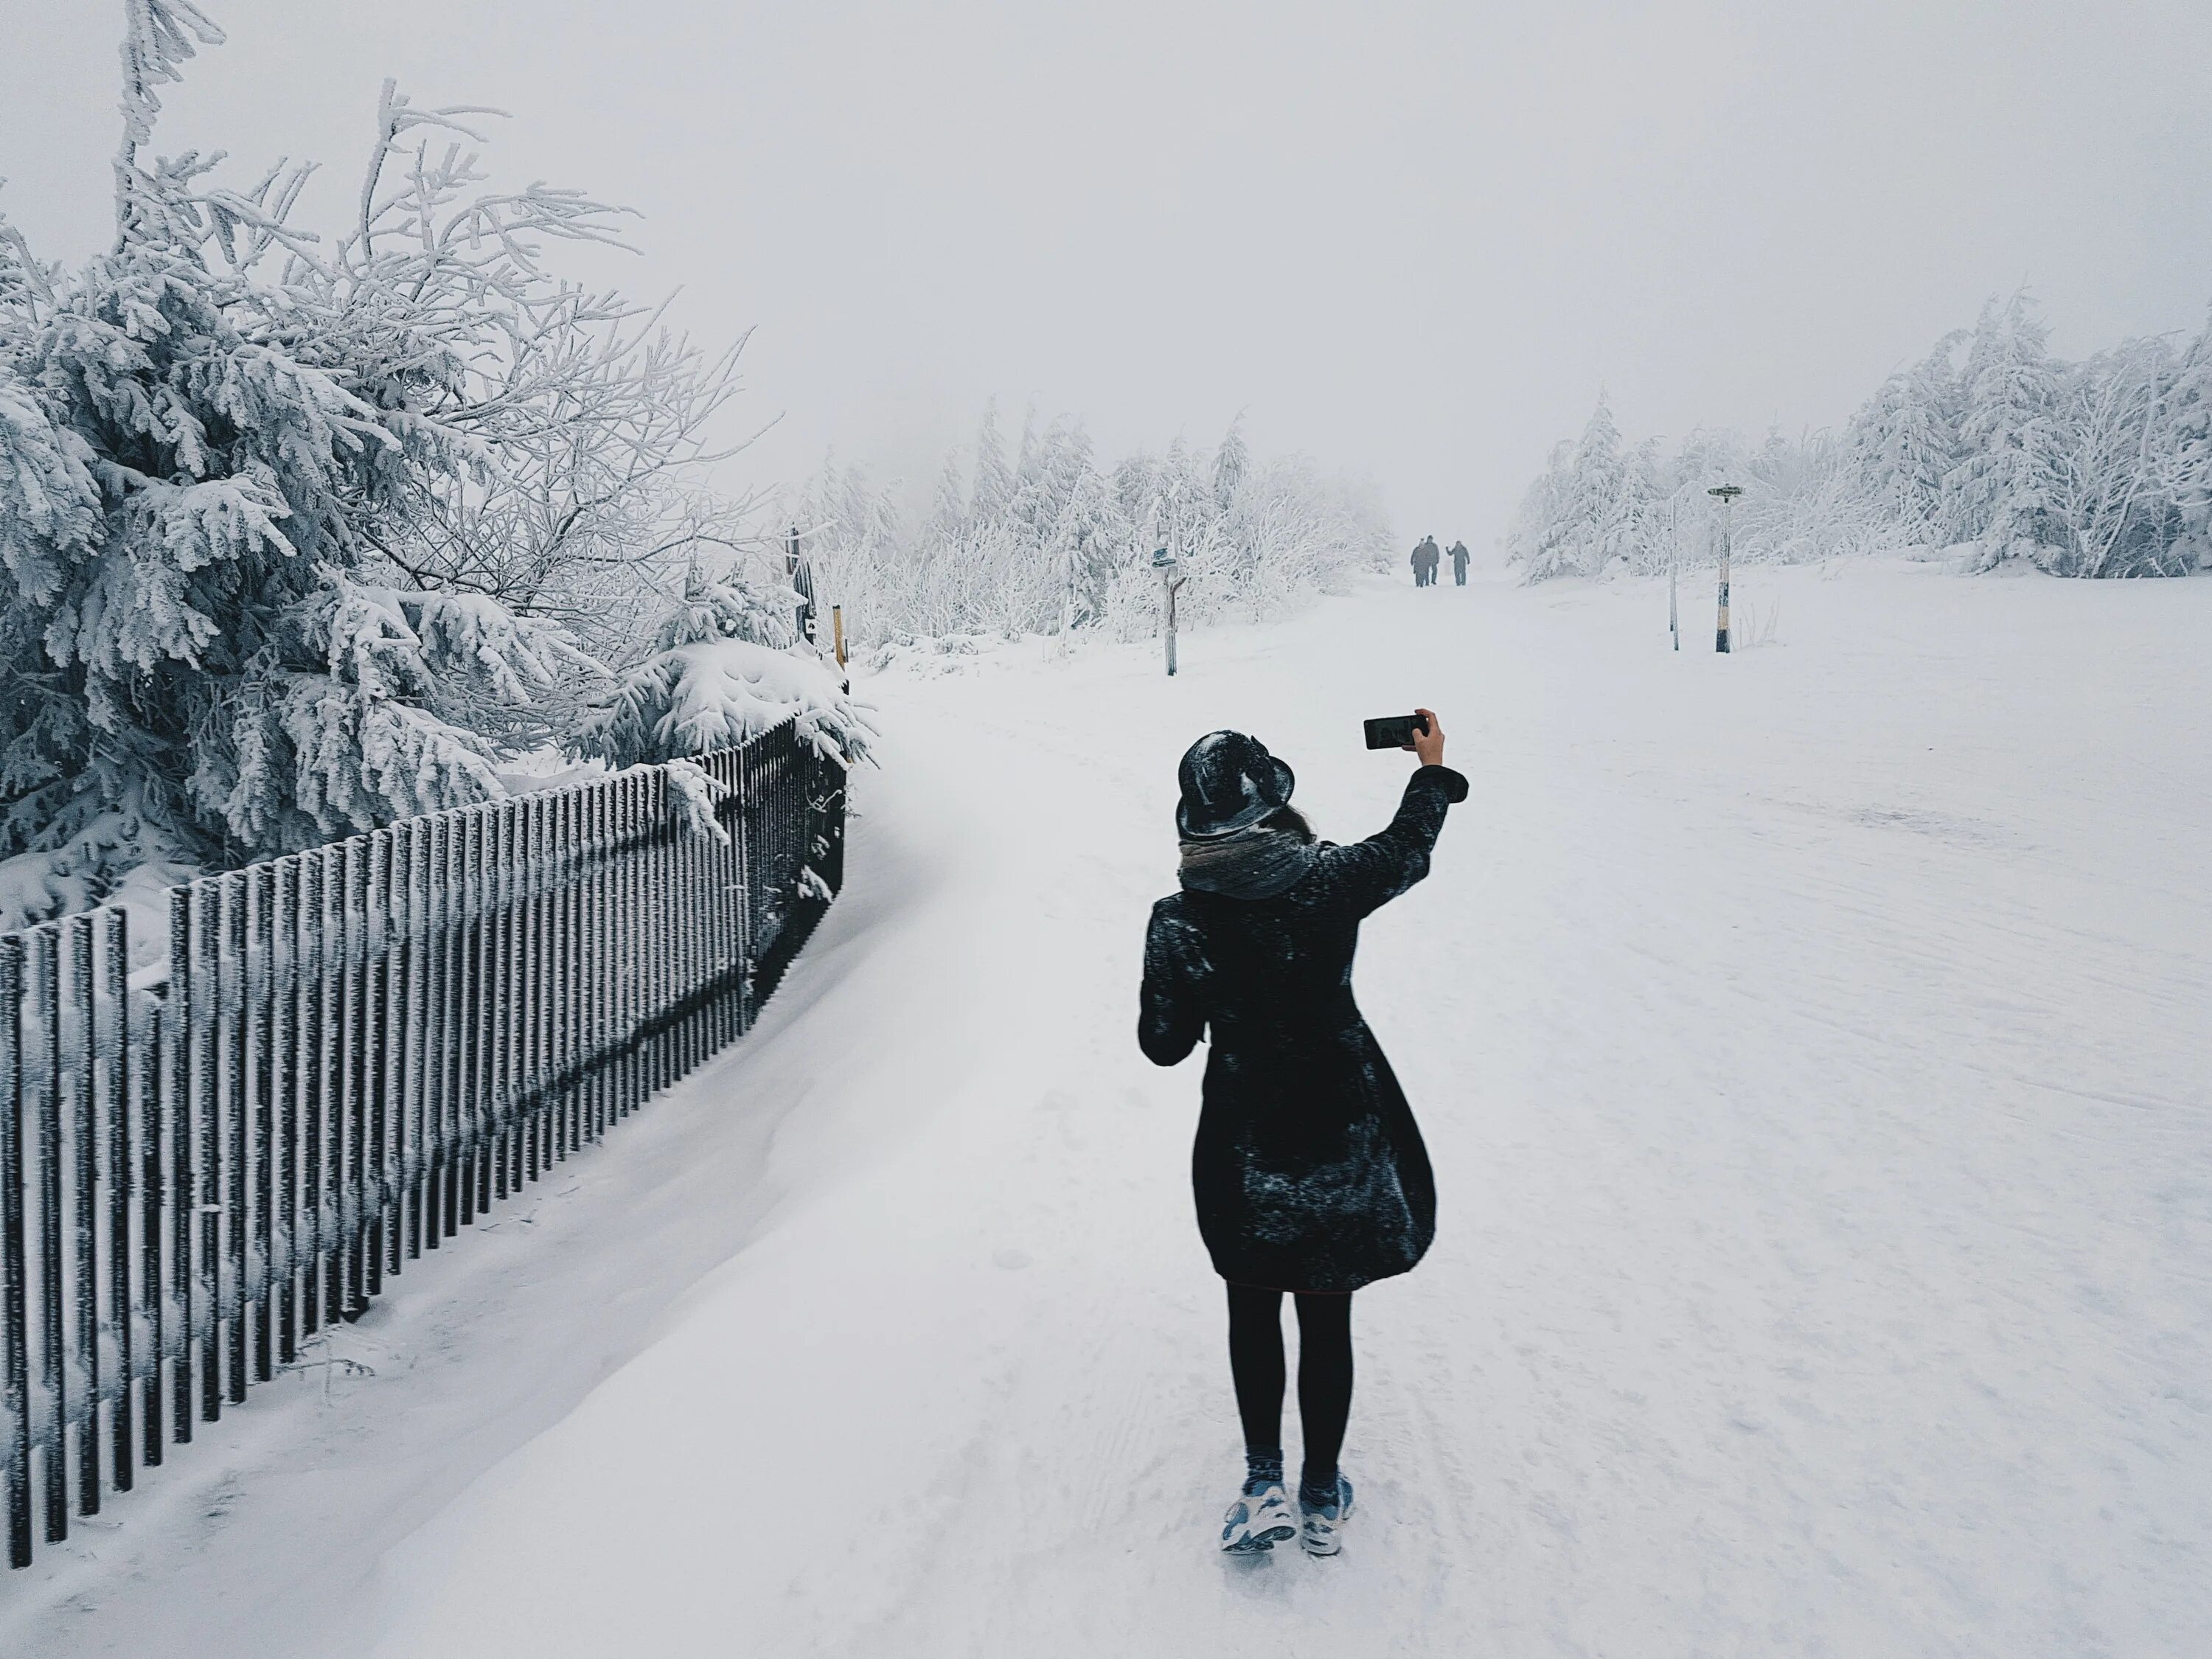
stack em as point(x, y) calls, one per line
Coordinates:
point(1429, 744)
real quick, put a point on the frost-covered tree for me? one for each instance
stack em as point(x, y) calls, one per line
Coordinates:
point(2187, 468)
point(225, 450)
point(716, 676)
point(994, 488)
point(1989, 447)
point(948, 509)
point(729, 606)
point(1905, 440)
point(1535, 540)
point(1232, 462)
point(2002, 495)
point(1584, 513)
point(1059, 542)
point(2113, 504)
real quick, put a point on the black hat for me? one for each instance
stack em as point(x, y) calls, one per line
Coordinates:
point(1229, 781)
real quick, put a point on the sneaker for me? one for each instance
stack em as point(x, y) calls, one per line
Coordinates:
point(1257, 1521)
point(1323, 1522)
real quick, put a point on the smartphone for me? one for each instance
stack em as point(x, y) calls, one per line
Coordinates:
point(1394, 730)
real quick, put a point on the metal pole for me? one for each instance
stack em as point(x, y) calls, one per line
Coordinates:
point(1164, 562)
point(1674, 626)
point(1168, 590)
point(1066, 594)
point(1728, 493)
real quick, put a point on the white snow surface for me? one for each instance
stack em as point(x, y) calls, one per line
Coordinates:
point(1812, 1045)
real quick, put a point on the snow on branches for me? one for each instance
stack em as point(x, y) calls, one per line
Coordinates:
point(712, 693)
point(719, 673)
point(1049, 540)
point(291, 528)
point(1990, 449)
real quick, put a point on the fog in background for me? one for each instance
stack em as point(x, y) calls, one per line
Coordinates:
point(1414, 240)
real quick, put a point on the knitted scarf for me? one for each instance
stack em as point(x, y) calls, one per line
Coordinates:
point(1256, 862)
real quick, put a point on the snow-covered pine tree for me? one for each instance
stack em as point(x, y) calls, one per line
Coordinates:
point(1232, 461)
point(718, 675)
point(726, 606)
point(948, 511)
point(1647, 494)
point(2001, 494)
point(2188, 463)
point(1584, 515)
point(1904, 441)
point(1092, 532)
point(1533, 541)
point(994, 489)
point(1037, 502)
point(209, 437)
point(1027, 459)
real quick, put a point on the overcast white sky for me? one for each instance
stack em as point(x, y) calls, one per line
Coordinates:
point(1413, 240)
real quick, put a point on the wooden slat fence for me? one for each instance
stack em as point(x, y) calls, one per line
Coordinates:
point(357, 1051)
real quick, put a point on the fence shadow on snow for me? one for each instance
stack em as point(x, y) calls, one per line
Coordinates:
point(356, 1052)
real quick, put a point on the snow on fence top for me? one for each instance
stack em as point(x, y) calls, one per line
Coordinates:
point(342, 1056)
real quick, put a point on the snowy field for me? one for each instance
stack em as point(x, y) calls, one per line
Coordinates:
point(1812, 1045)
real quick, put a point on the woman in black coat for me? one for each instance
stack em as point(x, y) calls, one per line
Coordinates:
point(1309, 1171)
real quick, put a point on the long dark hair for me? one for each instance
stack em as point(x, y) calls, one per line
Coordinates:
point(1290, 820)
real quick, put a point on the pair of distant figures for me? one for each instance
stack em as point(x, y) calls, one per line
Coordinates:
point(1427, 559)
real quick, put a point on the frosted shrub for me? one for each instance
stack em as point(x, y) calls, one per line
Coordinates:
point(709, 685)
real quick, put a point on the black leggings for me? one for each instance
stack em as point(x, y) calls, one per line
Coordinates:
point(1255, 1361)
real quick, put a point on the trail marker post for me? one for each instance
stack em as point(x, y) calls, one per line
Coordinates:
point(1164, 562)
point(1674, 626)
point(1728, 493)
point(1068, 591)
point(802, 582)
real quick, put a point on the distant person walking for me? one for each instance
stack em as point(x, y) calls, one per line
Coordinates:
point(1426, 557)
point(1460, 555)
point(1309, 1169)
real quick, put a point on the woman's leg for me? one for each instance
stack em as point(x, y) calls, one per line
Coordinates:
point(1255, 1362)
point(1324, 1388)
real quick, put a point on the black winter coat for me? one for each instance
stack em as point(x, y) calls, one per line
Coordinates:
point(1309, 1168)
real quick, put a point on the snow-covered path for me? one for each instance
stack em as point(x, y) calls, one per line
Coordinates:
point(1814, 1049)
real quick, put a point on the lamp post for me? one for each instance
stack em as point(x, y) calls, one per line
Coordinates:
point(1728, 493)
